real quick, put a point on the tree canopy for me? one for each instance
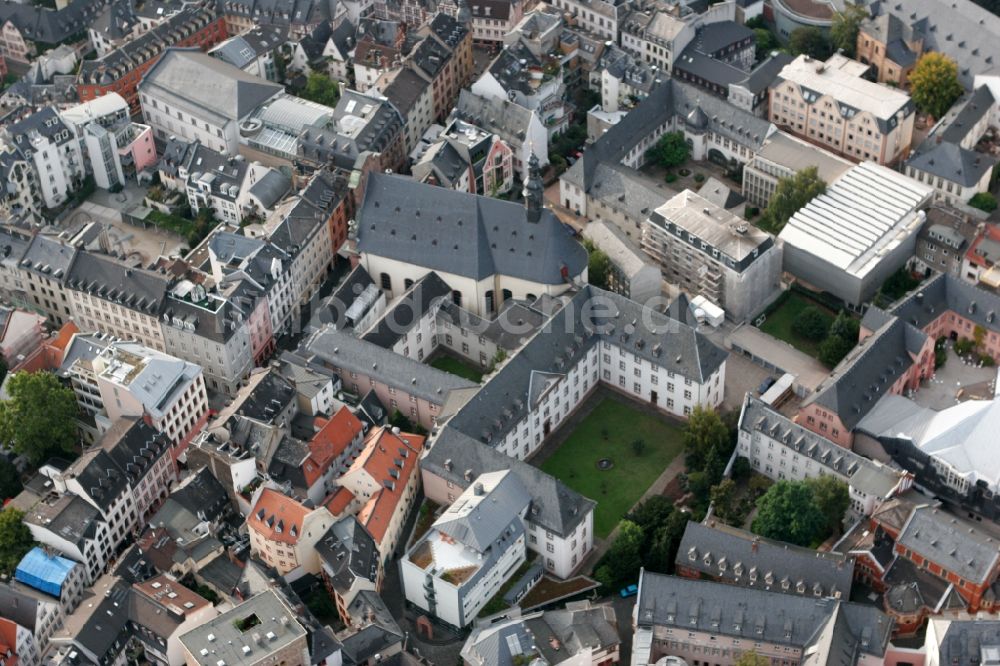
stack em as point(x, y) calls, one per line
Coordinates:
point(934, 84)
point(624, 558)
point(811, 324)
point(10, 480)
point(788, 512)
point(809, 41)
point(598, 265)
point(705, 437)
point(765, 42)
point(984, 201)
point(321, 89)
point(843, 336)
point(39, 420)
point(832, 498)
point(845, 27)
point(791, 194)
point(15, 539)
point(671, 150)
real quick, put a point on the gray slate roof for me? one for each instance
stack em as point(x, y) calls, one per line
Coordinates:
point(348, 552)
point(208, 85)
point(477, 521)
point(343, 350)
point(954, 163)
point(592, 316)
point(554, 505)
point(960, 29)
point(950, 542)
point(406, 311)
point(864, 375)
point(741, 558)
point(462, 233)
point(944, 292)
point(756, 615)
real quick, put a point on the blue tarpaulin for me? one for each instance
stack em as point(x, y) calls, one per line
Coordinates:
point(43, 571)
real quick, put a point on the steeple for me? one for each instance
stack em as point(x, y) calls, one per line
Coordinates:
point(533, 190)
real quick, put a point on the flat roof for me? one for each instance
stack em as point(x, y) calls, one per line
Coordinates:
point(795, 154)
point(838, 78)
point(258, 627)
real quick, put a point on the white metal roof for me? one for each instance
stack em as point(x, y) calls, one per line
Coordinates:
point(864, 215)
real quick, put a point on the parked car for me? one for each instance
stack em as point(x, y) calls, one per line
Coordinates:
point(764, 385)
point(629, 591)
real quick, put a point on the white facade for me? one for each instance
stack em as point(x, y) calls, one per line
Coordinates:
point(475, 546)
point(472, 292)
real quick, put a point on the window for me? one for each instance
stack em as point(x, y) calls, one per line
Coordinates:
point(386, 281)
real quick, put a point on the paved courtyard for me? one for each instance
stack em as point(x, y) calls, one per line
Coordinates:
point(955, 382)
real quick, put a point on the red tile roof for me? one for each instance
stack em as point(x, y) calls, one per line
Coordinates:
point(391, 460)
point(8, 641)
point(277, 517)
point(330, 442)
point(338, 501)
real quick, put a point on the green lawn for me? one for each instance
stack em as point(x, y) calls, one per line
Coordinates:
point(458, 367)
point(618, 489)
point(778, 323)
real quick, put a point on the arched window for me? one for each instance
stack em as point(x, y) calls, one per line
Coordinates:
point(456, 297)
point(386, 281)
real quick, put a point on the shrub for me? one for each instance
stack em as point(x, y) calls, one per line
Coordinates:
point(699, 178)
point(670, 177)
point(984, 201)
point(963, 346)
point(811, 324)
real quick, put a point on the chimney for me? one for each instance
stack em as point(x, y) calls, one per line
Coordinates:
point(479, 490)
point(754, 544)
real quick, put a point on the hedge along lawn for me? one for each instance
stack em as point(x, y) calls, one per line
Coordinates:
point(778, 323)
point(616, 490)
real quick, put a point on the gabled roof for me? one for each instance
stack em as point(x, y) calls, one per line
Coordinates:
point(759, 616)
point(954, 544)
point(742, 558)
point(868, 371)
point(953, 163)
point(484, 510)
point(277, 517)
point(207, 85)
point(463, 234)
point(348, 552)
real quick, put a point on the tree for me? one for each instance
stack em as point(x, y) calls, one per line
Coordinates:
point(624, 558)
point(670, 151)
point(791, 194)
point(934, 85)
point(39, 420)
point(15, 539)
point(598, 265)
point(845, 27)
point(662, 551)
point(751, 658)
point(841, 340)
point(638, 447)
point(811, 324)
point(704, 433)
point(788, 512)
point(765, 42)
point(984, 201)
point(723, 496)
point(809, 41)
point(321, 89)
point(10, 480)
point(399, 420)
point(832, 498)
